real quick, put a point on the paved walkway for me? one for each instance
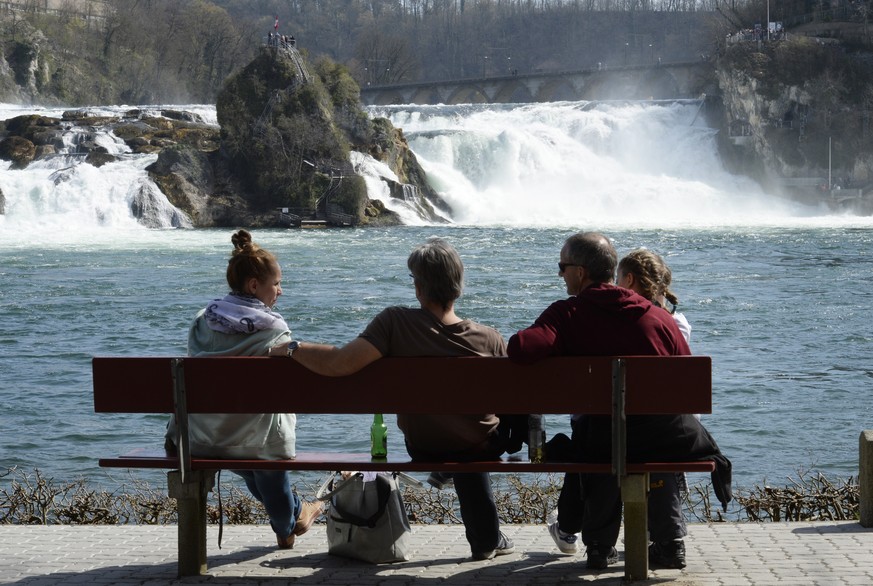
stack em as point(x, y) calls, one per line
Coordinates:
point(722, 554)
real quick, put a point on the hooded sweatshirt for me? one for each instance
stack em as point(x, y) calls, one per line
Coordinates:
point(602, 320)
point(266, 436)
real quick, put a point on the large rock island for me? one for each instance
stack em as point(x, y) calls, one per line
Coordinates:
point(286, 152)
point(287, 136)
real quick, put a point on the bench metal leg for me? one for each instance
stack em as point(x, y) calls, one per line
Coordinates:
point(634, 489)
point(191, 507)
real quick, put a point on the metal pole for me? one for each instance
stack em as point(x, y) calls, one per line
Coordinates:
point(830, 185)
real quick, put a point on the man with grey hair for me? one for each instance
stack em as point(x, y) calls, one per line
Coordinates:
point(600, 319)
point(432, 329)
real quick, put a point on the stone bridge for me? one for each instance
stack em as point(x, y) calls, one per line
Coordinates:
point(659, 82)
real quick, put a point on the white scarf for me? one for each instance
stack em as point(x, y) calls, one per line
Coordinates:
point(238, 314)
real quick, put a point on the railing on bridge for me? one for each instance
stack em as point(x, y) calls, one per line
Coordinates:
point(680, 80)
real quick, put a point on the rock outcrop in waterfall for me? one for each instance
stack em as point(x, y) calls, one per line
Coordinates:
point(286, 141)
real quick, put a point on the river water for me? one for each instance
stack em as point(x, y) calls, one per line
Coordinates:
point(778, 295)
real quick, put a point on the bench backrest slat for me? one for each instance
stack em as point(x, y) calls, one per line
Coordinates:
point(568, 384)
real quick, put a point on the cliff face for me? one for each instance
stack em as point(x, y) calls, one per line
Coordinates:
point(792, 107)
point(34, 70)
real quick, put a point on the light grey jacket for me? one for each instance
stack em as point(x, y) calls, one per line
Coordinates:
point(267, 436)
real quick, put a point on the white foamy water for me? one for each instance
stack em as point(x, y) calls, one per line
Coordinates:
point(62, 199)
point(75, 198)
point(374, 172)
point(567, 164)
point(580, 164)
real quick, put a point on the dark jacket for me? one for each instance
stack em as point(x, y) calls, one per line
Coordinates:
point(665, 438)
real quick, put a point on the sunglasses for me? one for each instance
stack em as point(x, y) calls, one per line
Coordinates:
point(562, 266)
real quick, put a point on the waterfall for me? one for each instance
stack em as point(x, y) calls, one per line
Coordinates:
point(584, 164)
point(573, 164)
point(410, 192)
point(63, 196)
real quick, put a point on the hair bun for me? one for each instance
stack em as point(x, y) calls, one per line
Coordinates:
point(241, 240)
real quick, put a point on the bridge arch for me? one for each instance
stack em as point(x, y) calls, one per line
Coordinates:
point(513, 91)
point(558, 89)
point(428, 95)
point(468, 94)
point(659, 84)
point(387, 98)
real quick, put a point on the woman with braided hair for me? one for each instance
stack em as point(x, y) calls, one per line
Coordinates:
point(646, 273)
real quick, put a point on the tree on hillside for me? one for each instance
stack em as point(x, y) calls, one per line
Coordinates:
point(384, 59)
point(140, 51)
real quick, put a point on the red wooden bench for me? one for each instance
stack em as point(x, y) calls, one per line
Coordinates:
point(616, 386)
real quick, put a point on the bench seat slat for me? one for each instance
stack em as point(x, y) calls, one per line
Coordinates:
point(327, 461)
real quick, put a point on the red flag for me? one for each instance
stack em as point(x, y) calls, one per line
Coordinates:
point(276, 26)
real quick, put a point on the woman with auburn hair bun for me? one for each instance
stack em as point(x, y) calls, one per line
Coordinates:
point(244, 323)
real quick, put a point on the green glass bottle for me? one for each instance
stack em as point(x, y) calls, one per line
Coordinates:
point(378, 437)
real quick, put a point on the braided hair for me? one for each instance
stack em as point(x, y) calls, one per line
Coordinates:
point(652, 274)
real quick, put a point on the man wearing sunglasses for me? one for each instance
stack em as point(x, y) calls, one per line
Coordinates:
point(601, 319)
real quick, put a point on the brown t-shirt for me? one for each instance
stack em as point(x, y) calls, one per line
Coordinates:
point(403, 331)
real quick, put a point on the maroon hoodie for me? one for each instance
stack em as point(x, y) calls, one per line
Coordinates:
point(602, 320)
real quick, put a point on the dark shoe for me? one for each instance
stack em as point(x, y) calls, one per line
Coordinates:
point(504, 547)
point(286, 542)
point(601, 556)
point(668, 554)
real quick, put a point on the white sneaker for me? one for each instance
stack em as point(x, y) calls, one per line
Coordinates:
point(566, 542)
